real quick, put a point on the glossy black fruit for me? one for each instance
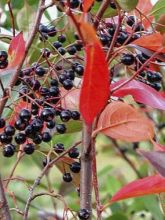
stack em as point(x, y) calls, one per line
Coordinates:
point(37, 139)
point(9, 130)
point(61, 128)
point(75, 115)
point(71, 50)
point(75, 167)
point(25, 115)
point(83, 214)
point(59, 148)
point(54, 82)
point(40, 71)
point(37, 124)
point(79, 69)
point(73, 153)
point(47, 114)
point(67, 177)
point(61, 50)
point(131, 20)
point(9, 150)
point(5, 139)
point(54, 91)
point(128, 59)
point(20, 138)
point(74, 3)
point(122, 37)
point(46, 137)
point(112, 4)
point(62, 38)
point(3, 64)
point(57, 44)
point(29, 148)
point(50, 124)
point(67, 84)
point(65, 115)
point(153, 76)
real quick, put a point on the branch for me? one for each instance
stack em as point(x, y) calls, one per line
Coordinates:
point(28, 45)
point(86, 170)
point(100, 12)
point(4, 204)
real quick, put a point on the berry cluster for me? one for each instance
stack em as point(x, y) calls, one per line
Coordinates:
point(3, 59)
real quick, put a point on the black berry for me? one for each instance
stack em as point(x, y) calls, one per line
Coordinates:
point(73, 153)
point(25, 115)
point(46, 137)
point(29, 148)
point(83, 214)
point(65, 115)
point(9, 130)
point(2, 123)
point(59, 148)
point(20, 138)
point(9, 150)
point(75, 115)
point(127, 59)
point(61, 128)
point(75, 167)
point(67, 177)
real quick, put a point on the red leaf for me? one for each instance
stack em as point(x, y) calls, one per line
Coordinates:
point(121, 121)
point(141, 93)
point(152, 42)
point(157, 159)
point(146, 186)
point(16, 50)
point(145, 7)
point(95, 88)
point(87, 4)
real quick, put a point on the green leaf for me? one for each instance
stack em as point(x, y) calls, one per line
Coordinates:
point(117, 216)
point(110, 12)
point(127, 5)
point(158, 9)
point(25, 17)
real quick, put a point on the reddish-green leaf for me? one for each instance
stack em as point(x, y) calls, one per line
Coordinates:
point(16, 50)
point(152, 42)
point(148, 185)
point(70, 99)
point(87, 4)
point(121, 121)
point(95, 88)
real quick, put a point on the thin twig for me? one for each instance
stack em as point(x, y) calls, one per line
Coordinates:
point(100, 13)
point(124, 156)
point(4, 204)
point(12, 17)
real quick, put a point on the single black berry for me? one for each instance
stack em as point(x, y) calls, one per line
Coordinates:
point(25, 115)
point(46, 137)
point(54, 91)
point(79, 69)
point(138, 27)
point(20, 138)
point(127, 59)
point(47, 114)
point(62, 77)
point(67, 84)
point(122, 37)
point(50, 124)
point(71, 50)
point(3, 64)
point(40, 71)
point(5, 139)
point(131, 20)
point(29, 148)
point(43, 28)
point(61, 50)
point(54, 82)
point(61, 128)
point(37, 124)
point(112, 4)
point(73, 153)
point(9, 150)
point(37, 139)
point(45, 52)
point(59, 148)
point(29, 131)
point(75, 115)
point(70, 74)
point(65, 115)
point(9, 130)
point(57, 44)
point(67, 177)
point(61, 38)
point(75, 167)
point(83, 214)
